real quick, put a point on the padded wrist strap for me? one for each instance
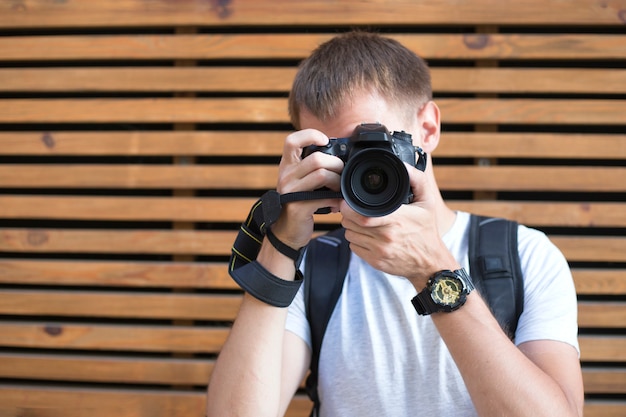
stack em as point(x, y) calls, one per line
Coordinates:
point(264, 286)
point(243, 268)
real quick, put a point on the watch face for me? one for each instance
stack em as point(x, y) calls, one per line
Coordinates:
point(447, 290)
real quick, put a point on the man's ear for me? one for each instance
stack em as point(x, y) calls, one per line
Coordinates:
point(430, 126)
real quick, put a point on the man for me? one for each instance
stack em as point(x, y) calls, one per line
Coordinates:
point(380, 357)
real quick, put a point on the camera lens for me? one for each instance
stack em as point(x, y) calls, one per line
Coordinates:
point(375, 182)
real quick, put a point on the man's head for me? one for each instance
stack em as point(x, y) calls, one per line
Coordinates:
point(354, 63)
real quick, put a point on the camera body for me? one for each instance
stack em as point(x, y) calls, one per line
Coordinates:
point(374, 181)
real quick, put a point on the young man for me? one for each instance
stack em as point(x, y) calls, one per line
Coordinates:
point(380, 357)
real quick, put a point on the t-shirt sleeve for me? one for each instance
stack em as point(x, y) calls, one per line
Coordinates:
point(550, 304)
point(297, 322)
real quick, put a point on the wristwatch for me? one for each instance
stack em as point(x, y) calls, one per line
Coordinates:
point(445, 291)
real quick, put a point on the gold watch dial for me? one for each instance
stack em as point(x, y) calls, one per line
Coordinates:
point(447, 290)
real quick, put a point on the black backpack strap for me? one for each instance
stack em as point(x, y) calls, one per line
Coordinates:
point(495, 268)
point(325, 269)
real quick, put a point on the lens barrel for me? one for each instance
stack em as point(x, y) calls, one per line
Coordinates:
point(375, 182)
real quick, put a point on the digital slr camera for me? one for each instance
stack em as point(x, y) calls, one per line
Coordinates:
point(374, 180)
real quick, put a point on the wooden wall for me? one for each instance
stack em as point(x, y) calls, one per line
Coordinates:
point(135, 134)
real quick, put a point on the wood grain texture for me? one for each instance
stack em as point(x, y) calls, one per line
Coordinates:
point(51, 14)
point(134, 274)
point(264, 143)
point(602, 348)
point(235, 210)
point(105, 368)
point(109, 304)
point(263, 177)
point(274, 110)
point(204, 275)
point(278, 80)
point(112, 337)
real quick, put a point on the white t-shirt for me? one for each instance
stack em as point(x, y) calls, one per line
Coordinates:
point(380, 358)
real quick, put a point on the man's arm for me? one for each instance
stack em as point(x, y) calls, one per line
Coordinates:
point(261, 364)
point(540, 378)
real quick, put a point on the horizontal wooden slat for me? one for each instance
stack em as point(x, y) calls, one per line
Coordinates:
point(309, 12)
point(279, 79)
point(599, 408)
point(600, 282)
point(149, 79)
point(603, 380)
point(599, 249)
point(126, 241)
point(203, 275)
point(531, 145)
point(120, 305)
point(18, 400)
point(602, 314)
point(108, 369)
point(116, 273)
point(59, 402)
point(592, 248)
point(131, 208)
point(263, 177)
point(544, 178)
point(226, 209)
point(137, 370)
point(602, 348)
point(549, 213)
point(51, 401)
point(274, 110)
point(147, 110)
point(527, 80)
point(139, 176)
point(199, 306)
point(140, 338)
point(162, 143)
point(532, 111)
point(263, 143)
point(469, 46)
point(196, 339)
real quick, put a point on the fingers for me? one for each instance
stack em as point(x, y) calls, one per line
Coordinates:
point(318, 170)
point(313, 172)
point(361, 231)
point(295, 142)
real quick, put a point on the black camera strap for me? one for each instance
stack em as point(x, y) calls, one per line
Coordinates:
point(272, 202)
point(263, 214)
point(244, 269)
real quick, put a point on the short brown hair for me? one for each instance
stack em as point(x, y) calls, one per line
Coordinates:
point(358, 61)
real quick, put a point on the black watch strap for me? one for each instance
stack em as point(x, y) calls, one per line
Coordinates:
point(424, 304)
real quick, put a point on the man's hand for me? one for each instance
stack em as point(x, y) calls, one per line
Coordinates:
point(295, 225)
point(406, 242)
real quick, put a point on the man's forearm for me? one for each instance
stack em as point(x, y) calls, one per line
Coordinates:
point(500, 378)
point(246, 379)
point(246, 376)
